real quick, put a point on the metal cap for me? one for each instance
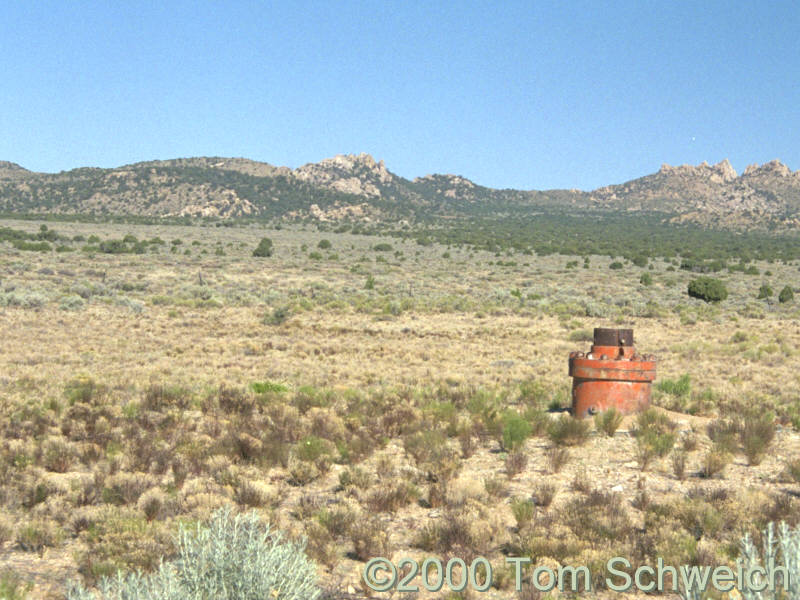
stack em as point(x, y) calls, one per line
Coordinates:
point(613, 337)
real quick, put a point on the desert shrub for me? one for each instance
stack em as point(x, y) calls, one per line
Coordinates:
point(679, 464)
point(391, 496)
point(725, 434)
point(264, 248)
point(599, 518)
point(782, 550)
point(355, 477)
point(793, 469)
point(324, 244)
point(616, 265)
point(708, 289)
point(608, 421)
point(543, 494)
point(556, 458)
point(38, 534)
point(646, 279)
point(268, 387)
point(786, 295)
point(382, 247)
point(765, 291)
point(756, 434)
point(231, 557)
point(654, 436)
point(12, 586)
point(278, 316)
point(71, 302)
point(581, 335)
point(523, 510)
point(516, 461)
point(370, 538)
point(568, 431)
point(516, 430)
point(679, 388)
point(714, 462)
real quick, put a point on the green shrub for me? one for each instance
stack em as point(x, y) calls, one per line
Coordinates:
point(230, 558)
point(679, 388)
point(765, 291)
point(646, 279)
point(708, 289)
point(382, 247)
point(12, 587)
point(616, 265)
point(324, 244)
point(786, 295)
point(516, 430)
point(278, 316)
point(568, 431)
point(264, 248)
point(756, 433)
point(782, 551)
point(608, 421)
point(264, 387)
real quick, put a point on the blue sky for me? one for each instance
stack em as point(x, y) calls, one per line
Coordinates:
point(530, 95)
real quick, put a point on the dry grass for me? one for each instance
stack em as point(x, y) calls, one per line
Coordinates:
point(181, 382)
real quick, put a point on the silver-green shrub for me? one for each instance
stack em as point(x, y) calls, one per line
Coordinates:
point(781, 552)
point(229, 558)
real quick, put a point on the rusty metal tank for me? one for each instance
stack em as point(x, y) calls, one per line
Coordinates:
point(611, 375)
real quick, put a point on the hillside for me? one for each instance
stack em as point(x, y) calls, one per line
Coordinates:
point(356, 187)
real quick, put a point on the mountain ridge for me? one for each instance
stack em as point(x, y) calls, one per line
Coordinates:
point(357, 187)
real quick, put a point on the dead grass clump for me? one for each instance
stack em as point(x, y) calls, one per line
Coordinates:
point(392, 496)
point(679, 464)
point(301, 472)
point(122, 540)
point(714, 462)
point(254, 494)
point(544, 493)
point(321, 545)
point(152, 503)
point(338, 520)
point(369, 538)
point(793, 469)
point(162, 397)
point(287, 424)
point(355, 477)
point(496, 487)
point(556, 457)
point(125, 487)
point(599, 519)
point(516, 461)
point(568, 431)
point(725, 434)
point(58, 455)
point(37, 534)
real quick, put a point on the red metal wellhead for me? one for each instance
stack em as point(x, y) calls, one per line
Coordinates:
point(611, 375)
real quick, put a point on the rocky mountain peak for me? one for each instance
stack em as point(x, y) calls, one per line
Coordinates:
point(723, 171)
point(773, 167)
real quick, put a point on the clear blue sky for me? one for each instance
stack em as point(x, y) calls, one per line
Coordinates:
point(531, 95)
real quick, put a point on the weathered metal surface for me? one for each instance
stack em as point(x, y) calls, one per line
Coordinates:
point(611, 375)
